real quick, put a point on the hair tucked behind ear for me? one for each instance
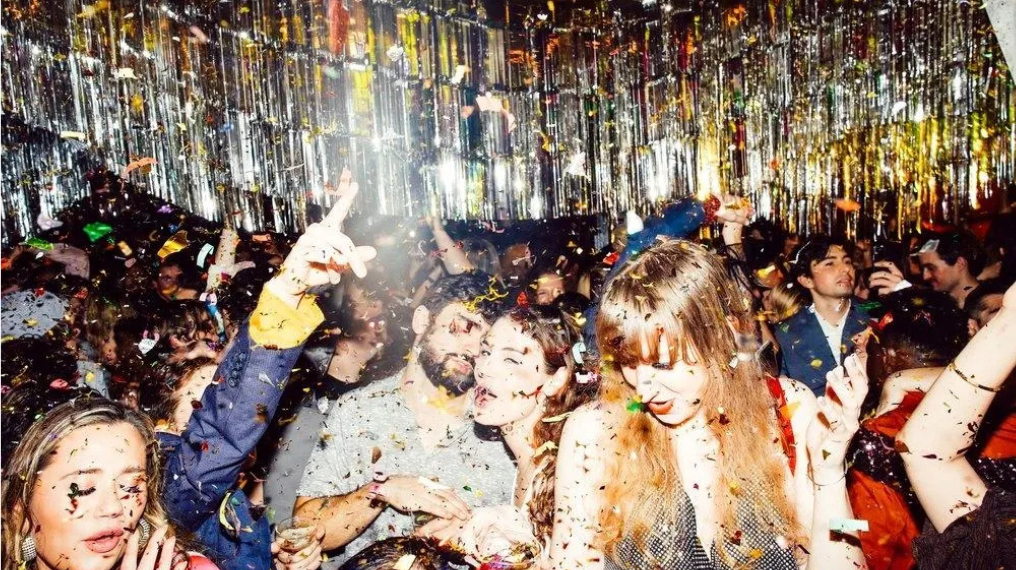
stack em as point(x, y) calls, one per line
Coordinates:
point(557, 334)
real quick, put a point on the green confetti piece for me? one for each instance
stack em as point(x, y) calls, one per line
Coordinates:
point(96, 230)
point(39, 244)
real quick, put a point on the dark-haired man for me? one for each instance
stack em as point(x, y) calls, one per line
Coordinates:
point(817, 338)
point(405, 445)
point(984, 302)
point(951, 263)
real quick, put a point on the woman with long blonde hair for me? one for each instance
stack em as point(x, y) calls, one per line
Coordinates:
point(81, 492)
point(693, 458)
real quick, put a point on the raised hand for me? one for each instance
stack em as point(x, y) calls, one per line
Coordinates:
point(225, 258)
point(323, 252)
point(830, 432)
point(885, 282)
point(159, 553)
point(734, 210)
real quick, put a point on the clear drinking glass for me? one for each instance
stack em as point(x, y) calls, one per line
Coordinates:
point(521, 556)
point(295, 533)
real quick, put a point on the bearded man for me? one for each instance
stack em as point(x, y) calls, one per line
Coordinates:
point(404, 447)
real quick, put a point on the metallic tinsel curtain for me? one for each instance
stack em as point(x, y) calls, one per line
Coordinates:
point(901, 108)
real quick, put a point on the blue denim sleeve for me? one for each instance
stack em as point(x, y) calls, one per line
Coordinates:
point(235, 412)
point(785, 342)
point(677, 221)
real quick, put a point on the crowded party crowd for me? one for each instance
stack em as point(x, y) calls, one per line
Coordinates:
point(707, 391)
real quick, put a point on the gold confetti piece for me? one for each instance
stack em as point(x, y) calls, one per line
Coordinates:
point(174, 244)
point(790, 409)
point(816, 363)
point(141, 162)
point(735, 489)
point(223, 520)
point(556, 419)
point(547, 446)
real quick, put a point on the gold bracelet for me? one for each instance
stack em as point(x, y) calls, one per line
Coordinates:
point(817, 484)
point(952, 367)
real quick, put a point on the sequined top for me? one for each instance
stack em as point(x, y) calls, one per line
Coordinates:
point(673, 544)
point(873, 452)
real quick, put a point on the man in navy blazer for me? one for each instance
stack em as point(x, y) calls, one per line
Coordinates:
point(817, 338)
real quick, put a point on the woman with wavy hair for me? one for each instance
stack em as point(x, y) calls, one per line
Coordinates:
point(81, 492)
point(693, 458)
point(528, 379)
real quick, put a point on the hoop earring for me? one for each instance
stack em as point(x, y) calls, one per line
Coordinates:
point(146, 530)
point(28, 553)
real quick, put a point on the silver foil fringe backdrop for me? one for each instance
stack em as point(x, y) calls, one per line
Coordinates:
point(900, 110)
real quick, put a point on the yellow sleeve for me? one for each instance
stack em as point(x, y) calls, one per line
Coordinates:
point(277, 325)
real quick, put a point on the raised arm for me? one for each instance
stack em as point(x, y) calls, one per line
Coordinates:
point(452, 256)
point(934, 441)
point(679, 219)
point(833, 544)
point(236, 410)
point(225, 258)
